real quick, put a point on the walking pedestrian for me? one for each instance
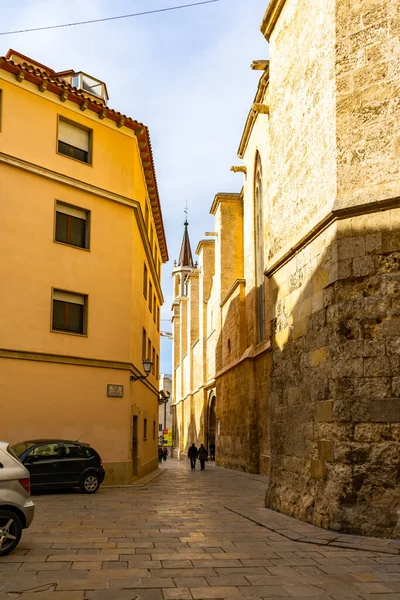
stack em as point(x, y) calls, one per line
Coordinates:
point(203, 454)
point(212, 450)
point(160, 454)
point(165, 453)
point(192, 454)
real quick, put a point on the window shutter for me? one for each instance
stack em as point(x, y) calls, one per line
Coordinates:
point(67, 297)
point(72, 211)
point(73, 135)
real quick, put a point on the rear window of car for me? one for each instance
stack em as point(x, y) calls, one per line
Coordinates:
point(20, 448)
point(11, 452)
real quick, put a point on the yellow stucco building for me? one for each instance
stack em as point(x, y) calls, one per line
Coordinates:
point(82, 242)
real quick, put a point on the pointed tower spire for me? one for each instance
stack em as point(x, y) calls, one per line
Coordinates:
point(185, 256)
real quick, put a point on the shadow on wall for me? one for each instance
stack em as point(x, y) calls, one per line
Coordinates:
point(335, 379)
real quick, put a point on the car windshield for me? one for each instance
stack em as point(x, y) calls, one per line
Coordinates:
point(20, 448)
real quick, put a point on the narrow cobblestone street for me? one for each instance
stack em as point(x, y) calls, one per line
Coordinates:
point(180, 537)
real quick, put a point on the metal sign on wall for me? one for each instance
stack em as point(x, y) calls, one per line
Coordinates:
point(115, 391)
point(167, 437)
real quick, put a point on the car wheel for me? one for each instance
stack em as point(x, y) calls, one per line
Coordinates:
point(10, 531)
point(90, 483)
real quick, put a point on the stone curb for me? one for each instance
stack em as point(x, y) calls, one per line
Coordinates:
point(319, 536)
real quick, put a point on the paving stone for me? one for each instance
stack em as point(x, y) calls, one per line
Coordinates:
point(303, 591)
point(177, 594)
point(124, 595)
point(52, 595)
point(46, 566)
point(264, 591)
point(215, 592)
point(223, 555)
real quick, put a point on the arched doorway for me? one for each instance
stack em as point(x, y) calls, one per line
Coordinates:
point(211, 426)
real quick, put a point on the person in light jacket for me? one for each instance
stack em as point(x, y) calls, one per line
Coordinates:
point(203, 455)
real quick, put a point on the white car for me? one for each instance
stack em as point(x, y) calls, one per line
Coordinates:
point(16, 506)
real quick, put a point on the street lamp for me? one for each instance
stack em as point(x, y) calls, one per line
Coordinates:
point(147, 366)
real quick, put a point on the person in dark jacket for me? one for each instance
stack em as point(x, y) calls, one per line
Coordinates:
point(212, 450)
point(202, 454)
point(160, 454)
point(192, 454)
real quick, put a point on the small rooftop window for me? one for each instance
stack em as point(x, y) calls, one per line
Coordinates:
point(91, 85)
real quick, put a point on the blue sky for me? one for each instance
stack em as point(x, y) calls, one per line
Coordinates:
point(185, 74)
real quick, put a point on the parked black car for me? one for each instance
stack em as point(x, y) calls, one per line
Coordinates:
point(60, 464)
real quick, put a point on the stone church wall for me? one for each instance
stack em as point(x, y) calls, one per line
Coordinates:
point(335, 379)
point(302, 121)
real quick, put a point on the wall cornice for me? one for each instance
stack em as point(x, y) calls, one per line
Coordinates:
point(202, 244)
point(88, 188)
point(254, 112)
point(250, 354)
point(79, 361)
point(332, 217)
point(237, 283)
point(271, 16)
point(224, 197)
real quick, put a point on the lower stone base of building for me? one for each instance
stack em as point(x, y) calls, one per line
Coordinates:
point(335, 379)
point(122, 473)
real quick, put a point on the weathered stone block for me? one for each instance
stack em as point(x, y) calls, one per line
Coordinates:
point(340, 270)
point(373, 243)
point(326, 450)
point(302, 310)
point(390, 241)
point(350, 367)
point(396, 387)
point(363, 266)
point(376, 410)
point(371, 432)
point(350, 247)
point(325, 411)
point(372, 387)
point(280, 338)
point(377, 366)
point(300, 329)
point(318, 356)
point(321, 280)
point(317, 301)
point(374, 348)
point(318, 469)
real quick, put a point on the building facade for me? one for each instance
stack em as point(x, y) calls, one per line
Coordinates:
point(321, 210)
point(220, 345)
point(165, 417)
point(82, 241)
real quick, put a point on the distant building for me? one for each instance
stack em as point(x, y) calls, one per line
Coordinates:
point(82, 241)
point(165, 417)
point(220, 345)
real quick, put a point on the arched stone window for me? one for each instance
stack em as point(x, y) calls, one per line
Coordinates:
point(259, 244)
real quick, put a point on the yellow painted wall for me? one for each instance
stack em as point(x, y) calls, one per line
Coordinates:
point(41, 398)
